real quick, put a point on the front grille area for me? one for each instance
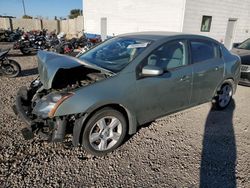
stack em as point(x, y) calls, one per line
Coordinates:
point(245, 78)
point(245, 68)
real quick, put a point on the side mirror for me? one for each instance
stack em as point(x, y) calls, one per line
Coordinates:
point(151, 70)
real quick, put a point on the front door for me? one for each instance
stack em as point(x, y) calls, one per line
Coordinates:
point(170, 91)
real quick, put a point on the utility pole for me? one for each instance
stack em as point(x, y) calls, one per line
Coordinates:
point(24, 11)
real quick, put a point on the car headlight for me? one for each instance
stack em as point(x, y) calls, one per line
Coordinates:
point(47, 105)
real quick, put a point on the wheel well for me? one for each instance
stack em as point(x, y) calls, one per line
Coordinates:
point(227, 81)
point(117, 107)
point(231, 82)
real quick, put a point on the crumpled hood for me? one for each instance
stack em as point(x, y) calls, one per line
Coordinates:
point(49, 64)
point(244, 55)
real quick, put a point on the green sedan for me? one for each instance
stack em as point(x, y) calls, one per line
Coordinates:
point(124, 82)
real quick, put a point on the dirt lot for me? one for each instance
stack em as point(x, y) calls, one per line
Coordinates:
point(193, 148)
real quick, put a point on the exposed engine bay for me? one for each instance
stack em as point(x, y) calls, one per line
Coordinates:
point(76, 77)
point(36, 105)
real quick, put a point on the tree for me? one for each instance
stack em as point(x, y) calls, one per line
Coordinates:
point(27, 17)
point(74, 13)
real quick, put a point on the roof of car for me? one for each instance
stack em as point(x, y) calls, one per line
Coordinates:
point(158, 35)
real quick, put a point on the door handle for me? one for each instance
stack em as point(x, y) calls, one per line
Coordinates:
point(184, 78)
point(216, 68)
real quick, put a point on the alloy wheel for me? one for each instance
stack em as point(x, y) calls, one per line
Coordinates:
point(225, 95)
point(105, 133)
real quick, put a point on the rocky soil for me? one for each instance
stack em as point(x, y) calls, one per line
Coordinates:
point(198, 147)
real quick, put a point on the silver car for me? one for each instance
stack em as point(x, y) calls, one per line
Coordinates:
point(124, 82)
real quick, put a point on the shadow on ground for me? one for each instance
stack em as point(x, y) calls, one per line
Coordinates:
point(28, 72)
point(219, 150)
point(20, 54)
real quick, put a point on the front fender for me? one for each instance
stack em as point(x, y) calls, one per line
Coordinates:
point(85, 100)
point(118, 90)
point(113, 91)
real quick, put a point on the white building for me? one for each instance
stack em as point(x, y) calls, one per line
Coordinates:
point(227, 21)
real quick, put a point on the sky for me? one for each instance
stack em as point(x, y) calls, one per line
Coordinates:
point(34, 8)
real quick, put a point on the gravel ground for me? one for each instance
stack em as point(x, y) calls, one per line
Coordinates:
point(193, 148)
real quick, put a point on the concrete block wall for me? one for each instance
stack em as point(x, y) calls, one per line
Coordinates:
point(71, 27)
point(2, 23)
point(64, 26)
point(5, 23)
point(51, 25)
point(27, 24)
point(79, 24)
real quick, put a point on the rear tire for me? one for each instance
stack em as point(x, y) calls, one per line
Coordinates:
point(104, 132)
point(12, 69)
point(223, 97)
point(25, 51)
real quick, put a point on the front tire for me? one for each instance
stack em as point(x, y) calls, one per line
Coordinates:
point(104, 132)
point(224, 96)
point(12, 69)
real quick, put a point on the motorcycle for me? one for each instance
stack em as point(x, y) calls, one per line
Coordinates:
point(53, 41)
point(10, 36)
point(31, 42)
point(15, 35)
point(8, 67)
point(82, 51)
point(83, 43)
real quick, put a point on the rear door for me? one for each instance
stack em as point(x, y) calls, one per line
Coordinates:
point(208, 70)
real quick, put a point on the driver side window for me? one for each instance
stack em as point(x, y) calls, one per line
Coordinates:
point(169, 56)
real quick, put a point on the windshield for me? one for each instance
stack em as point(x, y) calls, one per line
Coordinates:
point(245, 45)
point(116, 53)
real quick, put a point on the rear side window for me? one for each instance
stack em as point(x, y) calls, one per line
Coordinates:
point(204, 51)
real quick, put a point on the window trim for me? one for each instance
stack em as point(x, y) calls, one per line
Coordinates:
point(188, 58)
point(209, 24)
point(218, 54)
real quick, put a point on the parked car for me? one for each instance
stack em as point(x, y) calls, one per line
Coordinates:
point(122, 83)
point(243, 50)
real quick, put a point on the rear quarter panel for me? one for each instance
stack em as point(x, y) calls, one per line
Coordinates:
point(232, 66)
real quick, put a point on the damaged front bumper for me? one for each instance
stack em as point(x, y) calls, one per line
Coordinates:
point(55, 127)
point(21, 111)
